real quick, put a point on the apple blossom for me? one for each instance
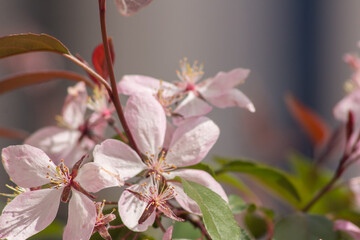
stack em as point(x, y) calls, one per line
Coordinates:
point(76, 135)
point(351, 101)
point(32, 211)
point(168, 233)
point(130, 7)
point(102, 221)
point(348, 227)
point(219, 90)
point(185, 146)
point(138, 208)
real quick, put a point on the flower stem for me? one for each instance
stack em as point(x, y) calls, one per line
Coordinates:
point(344, 163)
point(115, 94)
point(328, 186)
point(197, 223)
point(89, 70)
point(160, 224)
point(321, 193)
point(111, 123)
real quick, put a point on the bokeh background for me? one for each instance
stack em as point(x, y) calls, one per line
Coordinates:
point(290, 46)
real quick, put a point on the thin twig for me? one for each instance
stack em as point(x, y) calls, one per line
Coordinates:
point(89, 70)
point(328, 186)
point(111, 123)
point(160, 224)
point(115, 95)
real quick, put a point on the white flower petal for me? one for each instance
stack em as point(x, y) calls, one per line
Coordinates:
point(147, 122)
point(233, 97)
point(191, 106)
point(223, 82)
point(27, 166)
point(197, 176)
point(168, 233)
point(57, 142)
point(184, 200)
point(75, 105)
point(131, 209)
point(192, 141)
point(81, 217)
point(118, 159)
point(29, 213)
point(349, 103)
point(348, 227)
point(134, 84)
point(130, 7)
point(170, 129)
point(93, 177)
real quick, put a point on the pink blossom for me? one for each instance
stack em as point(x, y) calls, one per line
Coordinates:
point(351, 102)
point(102, 221)
point(219, 90)
point(32, 211)
point(130, 7)
point(348, 227)
point(168, 233)
point(75, 134)
point(140, 202)
point(186, 146)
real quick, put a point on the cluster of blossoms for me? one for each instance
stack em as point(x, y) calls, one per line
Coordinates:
point(155, 158)
point(347, 110)
point(49, 167)
point(166, 132)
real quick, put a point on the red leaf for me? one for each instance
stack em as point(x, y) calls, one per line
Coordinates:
point(313, 125)
point(14, 134)
point(99, 59)
point(28, 79)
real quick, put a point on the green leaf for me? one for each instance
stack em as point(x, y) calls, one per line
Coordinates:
point(304, 227)
point(24, 43)
point(256, 224)
point(186, 230)
point(218, 219)
point(244, 235)
point(309, 179)
point(204, 167)
point(237, 204)
point(234, 182)
point(274, 179)
point(28, 79)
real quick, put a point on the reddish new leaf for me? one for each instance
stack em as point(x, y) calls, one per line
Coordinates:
point(313, 125)
point(130, 7)
point(14, 134)
point(28, 79)
point(99, 59)
point(24, 43)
